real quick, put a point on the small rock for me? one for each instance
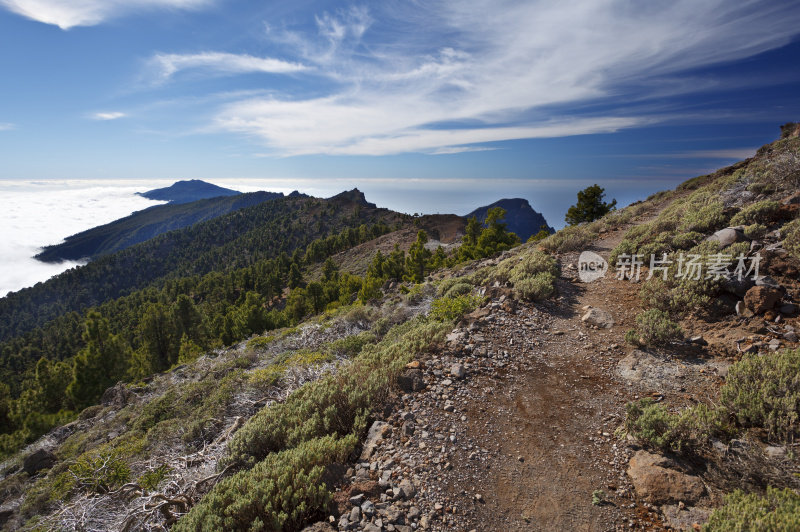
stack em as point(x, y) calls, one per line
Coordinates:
point(598, 318)
point(367, 508)
point(760, 299)
point(411, 380)
point(355, 514)
point(657, 483)
point(376, 433)
point(790, 309)
point(458, 371)
point(775, 452)
point(38, 460)
point(699, 340)
point(409, 491)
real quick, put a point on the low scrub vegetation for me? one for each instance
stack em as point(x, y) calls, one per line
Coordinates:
point(776, 511)
point(761, 391)
point(791, 234)
point(756, 213)
point(654, 328)
point(688, 430)
point(282, 492)
point(286, 446)
point(531, 274)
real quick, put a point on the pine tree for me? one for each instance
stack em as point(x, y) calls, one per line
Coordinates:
point(590, 206)
point(100, 364)
point(417, 260)
point(159, 337)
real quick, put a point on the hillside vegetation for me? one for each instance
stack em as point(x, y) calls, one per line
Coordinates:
point(282, 391)
point(146, 224)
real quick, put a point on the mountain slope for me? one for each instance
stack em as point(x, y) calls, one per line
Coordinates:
point(473, 399)
point(520, 217)
point(146, 224)
point(188, 191)
point(234, 240)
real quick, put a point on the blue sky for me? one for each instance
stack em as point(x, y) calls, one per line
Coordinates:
point(428, 106)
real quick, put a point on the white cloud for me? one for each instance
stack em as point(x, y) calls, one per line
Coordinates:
point(70, 13)
point(166, 65)
point(6, 126)
point(477, 71)
point(111, 115)
point(62, 208)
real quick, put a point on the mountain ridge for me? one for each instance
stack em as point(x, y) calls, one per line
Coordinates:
point(187, 191)
point(146, 224)
point(520, 217)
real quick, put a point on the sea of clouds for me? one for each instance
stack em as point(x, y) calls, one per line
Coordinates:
point(40, 213)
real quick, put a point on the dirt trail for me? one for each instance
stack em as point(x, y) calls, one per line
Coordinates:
point(556, 434)
point(527, 437)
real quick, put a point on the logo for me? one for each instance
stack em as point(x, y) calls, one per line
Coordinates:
point(591, 266)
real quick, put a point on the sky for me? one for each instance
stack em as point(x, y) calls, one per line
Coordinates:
point(435, 106)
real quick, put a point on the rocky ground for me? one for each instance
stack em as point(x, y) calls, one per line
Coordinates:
point(513, 425)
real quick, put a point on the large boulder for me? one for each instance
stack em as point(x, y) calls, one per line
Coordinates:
point(598, 318)
point(657, 483)
point(38, 460)
point(728, 236)
point(760, 299)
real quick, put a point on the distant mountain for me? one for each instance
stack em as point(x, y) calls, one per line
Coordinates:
point(188, 191)
point(145, 224)
point(352, 196)
point(520, 217)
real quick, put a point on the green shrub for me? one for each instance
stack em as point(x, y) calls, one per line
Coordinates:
point(448, 309)
point(350, 346)
point(447, 284)
point(336, 404)
point(759, 212)
point(654, 328)
point(100, 473)
point(260, 343)
point(458, 289)
point(532, 274)
point(540, 286)
point(282, 492)
point(764, 391)
point(571, 238)
point(691, 429)
point(650, 423)
point(704, 219)
point(755, 231)
point(791, 235)
point(778, 511)
point(151, 478)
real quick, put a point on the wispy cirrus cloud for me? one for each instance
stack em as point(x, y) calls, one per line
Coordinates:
point(480, 71)
point(67, 14)
point(6, 126)
point(109, 115)
point(165, 66)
